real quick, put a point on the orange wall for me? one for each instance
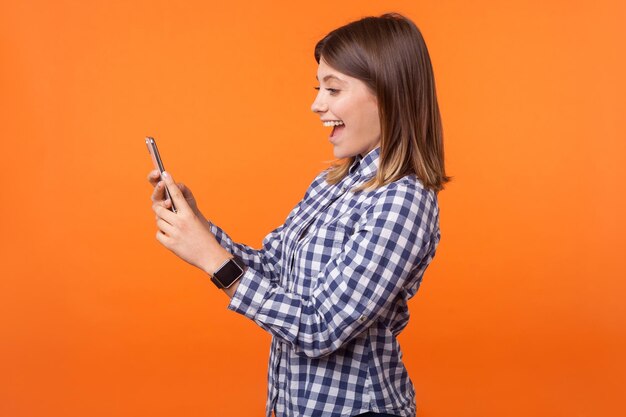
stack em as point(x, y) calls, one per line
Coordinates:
point(522, 311)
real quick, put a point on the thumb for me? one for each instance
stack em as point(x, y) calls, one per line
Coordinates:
point(177, 196)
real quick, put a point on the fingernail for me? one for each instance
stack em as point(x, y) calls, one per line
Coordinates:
point(165, 174)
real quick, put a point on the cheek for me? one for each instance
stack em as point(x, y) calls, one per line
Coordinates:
point(341, 110)
point(359, 114)
point(371, 119)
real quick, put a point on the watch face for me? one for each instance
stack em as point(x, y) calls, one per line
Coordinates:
point(229, 273)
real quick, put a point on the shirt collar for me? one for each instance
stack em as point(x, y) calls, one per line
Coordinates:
point(367, 165)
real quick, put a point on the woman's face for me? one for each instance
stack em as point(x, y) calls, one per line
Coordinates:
point(348, 106)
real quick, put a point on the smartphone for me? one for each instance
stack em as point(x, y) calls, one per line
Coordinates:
point(158, 164)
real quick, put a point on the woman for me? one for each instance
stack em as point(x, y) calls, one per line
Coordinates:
point(332, 283)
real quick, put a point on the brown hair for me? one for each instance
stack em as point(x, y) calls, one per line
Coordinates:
point(389, 55)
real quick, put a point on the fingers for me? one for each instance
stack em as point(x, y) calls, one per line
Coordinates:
point(183, 189)
point(162, 238)
point(177, 196)
point(159, 195)
point(159, 192)
point(153, 177)
point(186, 190)
point(165, 227)
point(162, 213)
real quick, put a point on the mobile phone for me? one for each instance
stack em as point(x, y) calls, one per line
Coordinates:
point(158, 164)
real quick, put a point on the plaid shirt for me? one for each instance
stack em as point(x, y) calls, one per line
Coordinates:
point(331, 285)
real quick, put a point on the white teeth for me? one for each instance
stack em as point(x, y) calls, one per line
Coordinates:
point(332, 123)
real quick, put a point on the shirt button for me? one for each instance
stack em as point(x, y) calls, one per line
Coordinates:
point(362, 319)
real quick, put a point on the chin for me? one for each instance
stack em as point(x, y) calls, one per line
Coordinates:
point(342, 153)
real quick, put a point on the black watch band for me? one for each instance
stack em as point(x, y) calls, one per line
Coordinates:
point(228, 273)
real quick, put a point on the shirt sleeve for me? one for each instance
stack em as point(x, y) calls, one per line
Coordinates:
point(388, 252)
point(265, 260)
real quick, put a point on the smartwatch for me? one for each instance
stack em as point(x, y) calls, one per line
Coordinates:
point(228, 273)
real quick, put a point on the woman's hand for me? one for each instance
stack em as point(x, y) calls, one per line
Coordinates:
point(185, 232)
point(158, 195)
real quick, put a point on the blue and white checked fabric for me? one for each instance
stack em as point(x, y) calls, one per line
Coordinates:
point(331, 285)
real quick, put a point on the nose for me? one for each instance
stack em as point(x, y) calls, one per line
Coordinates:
point(318, 105)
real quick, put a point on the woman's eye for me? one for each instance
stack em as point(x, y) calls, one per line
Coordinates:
point(332, 91)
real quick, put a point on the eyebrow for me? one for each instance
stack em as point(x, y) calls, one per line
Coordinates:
point(330, 76)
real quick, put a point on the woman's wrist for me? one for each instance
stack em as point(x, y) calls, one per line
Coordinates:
point(216, 259)
point(230, 291)
point(216, 264)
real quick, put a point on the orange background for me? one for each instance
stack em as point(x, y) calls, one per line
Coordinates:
point(522, 311)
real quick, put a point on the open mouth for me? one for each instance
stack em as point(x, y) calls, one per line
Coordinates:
point(337, 126)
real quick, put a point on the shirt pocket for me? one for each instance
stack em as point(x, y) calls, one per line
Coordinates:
point(331, 239)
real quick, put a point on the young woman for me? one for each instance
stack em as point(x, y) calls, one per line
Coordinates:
point(332, 283)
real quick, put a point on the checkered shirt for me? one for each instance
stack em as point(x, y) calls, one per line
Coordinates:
point(331, 286)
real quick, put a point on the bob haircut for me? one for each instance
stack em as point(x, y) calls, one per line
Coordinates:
point(389, 55)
